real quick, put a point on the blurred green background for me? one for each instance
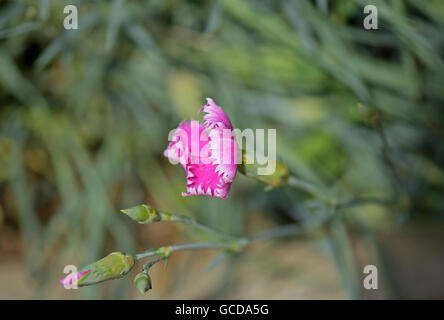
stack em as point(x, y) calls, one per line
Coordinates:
point(85, 116)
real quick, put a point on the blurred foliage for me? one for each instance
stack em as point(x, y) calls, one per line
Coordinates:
point(85, 116)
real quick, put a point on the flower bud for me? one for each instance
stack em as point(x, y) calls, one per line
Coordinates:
point(113, 266)
point(249, 168)
point(143, 214)
point(73, 279)
point(142, 282)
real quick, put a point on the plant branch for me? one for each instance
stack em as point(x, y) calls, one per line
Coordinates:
point(166, 216)
point(233, 245)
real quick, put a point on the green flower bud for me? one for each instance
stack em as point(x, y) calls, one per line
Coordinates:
point(142, 282)
point(113, 266)
point(143, 214)
point(250, 169)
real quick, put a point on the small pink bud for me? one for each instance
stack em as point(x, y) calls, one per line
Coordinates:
point(73, 278)
point(113, 266)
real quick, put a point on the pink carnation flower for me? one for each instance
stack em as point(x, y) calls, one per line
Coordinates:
point(208, 152)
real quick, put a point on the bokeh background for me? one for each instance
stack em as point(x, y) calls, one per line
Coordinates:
point(85, 116)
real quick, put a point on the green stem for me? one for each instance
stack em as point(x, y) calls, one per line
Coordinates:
point(359, 201)
point(166, 216)
point(150, 263)
point(309, 188)
point(166, 251)
point(279, 232)
point(234, 245)
point(316, 191)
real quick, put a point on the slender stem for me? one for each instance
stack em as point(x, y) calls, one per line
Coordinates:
point(284, 231)
point(147, 254)
point(316, 191)
point(305, 186)
point(362, 201)
point(150, 263)
point(168, 250)
point(166, 216)
point(202, 245)
point(232, 244)
point(209, 230)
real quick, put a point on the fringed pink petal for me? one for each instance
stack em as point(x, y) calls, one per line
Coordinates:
point(205, 180)
point(215, 116)
point(225, 153)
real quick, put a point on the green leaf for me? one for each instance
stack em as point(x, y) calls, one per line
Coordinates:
point(219, 259)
